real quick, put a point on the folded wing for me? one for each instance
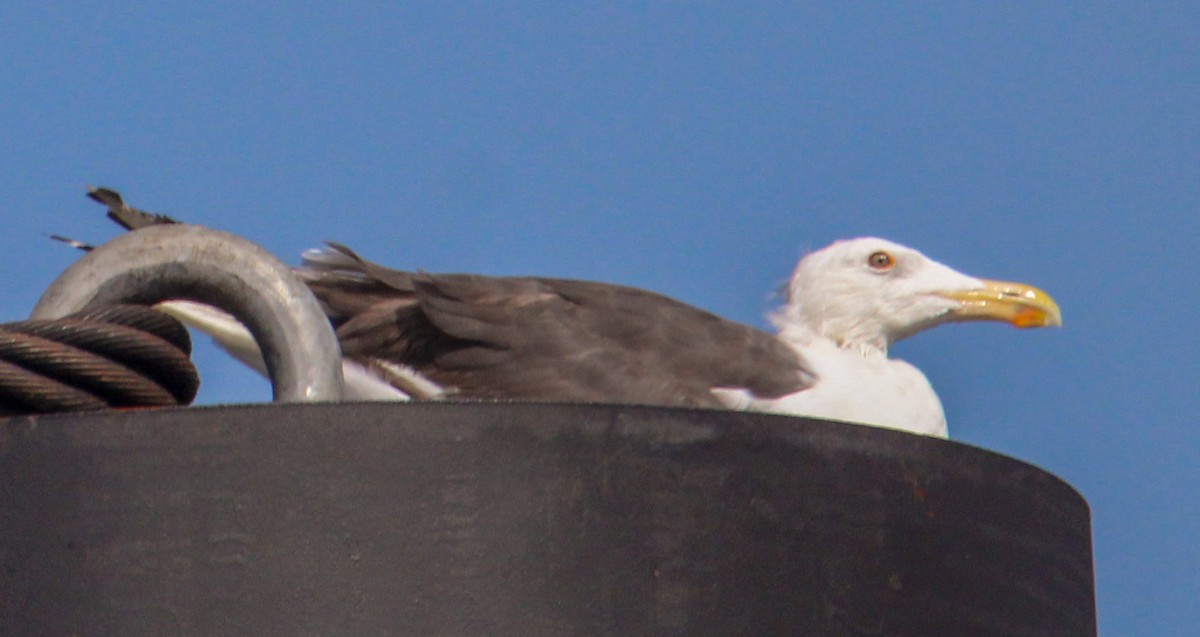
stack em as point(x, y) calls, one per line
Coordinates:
point(545, 339)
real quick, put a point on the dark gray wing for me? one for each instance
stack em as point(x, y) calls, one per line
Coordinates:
point(546, 339)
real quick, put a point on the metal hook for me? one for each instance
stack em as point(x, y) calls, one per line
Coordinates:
point(172, 262)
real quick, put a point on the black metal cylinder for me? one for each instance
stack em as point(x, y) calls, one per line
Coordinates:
point(526, 520)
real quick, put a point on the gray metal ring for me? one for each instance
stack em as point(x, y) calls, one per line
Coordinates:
point(173, 262)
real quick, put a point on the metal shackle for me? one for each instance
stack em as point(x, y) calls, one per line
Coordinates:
point(187, 262)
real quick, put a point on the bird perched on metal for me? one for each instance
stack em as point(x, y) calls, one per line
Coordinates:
point(414, 335)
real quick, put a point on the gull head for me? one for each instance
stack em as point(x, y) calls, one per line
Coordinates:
point(870, 293)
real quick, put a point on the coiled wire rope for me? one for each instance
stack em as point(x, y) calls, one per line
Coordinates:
point(115, 356)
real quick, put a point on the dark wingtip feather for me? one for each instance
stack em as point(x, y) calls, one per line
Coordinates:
point(123, 215)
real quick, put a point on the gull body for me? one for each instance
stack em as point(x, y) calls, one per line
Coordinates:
point(409, 335)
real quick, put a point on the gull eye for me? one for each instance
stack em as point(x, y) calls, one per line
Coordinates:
point(881, 261)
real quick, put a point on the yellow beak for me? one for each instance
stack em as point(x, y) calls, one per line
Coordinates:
point(1016, 303)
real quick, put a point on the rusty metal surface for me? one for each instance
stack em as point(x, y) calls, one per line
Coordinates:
point(526, 519)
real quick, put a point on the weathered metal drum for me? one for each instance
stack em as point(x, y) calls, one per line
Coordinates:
point(526, 520)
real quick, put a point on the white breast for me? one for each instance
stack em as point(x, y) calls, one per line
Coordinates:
point(861, 387)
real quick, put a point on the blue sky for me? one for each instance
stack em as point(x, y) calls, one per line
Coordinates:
point(697, 150)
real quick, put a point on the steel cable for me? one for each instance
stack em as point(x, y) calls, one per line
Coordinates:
point(118, 356)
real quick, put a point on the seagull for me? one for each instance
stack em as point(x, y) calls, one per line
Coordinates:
point(421, 336)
